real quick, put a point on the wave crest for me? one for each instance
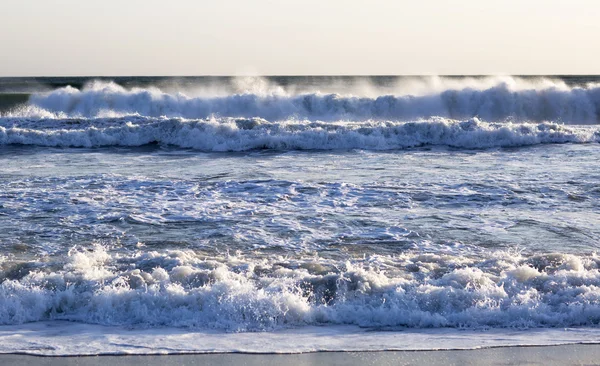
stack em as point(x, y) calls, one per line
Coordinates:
point(179, 288)
point(505, 100)
point(229, 134)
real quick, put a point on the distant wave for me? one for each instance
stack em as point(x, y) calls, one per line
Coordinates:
point(500, 101)
point(230, 134)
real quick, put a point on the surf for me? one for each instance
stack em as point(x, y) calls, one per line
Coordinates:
point(494, 99)
point(231, 134)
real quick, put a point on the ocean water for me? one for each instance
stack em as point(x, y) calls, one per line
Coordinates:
point(295, 214)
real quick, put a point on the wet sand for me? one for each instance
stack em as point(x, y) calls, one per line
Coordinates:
point(548, 355)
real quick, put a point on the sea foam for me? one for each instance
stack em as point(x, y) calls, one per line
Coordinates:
point(491, 100)
point(229, 134)
point(416, 289)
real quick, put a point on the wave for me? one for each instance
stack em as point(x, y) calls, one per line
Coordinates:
point(248, 134)
point(488, 99)
point(234, 293)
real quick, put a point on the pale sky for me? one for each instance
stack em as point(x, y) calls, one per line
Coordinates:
point(290, 37)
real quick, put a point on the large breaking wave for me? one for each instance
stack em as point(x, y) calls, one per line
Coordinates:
point(255, 114)
point(488, 99)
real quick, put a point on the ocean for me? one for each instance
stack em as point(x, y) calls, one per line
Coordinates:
point(293, 214)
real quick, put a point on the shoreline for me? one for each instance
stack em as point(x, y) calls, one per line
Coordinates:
point(294, 353)
point(61, 338)
point(572, 354)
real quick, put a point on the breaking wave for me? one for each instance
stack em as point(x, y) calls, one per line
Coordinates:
point(231, 134)
point(493, 100)
point(182, 289)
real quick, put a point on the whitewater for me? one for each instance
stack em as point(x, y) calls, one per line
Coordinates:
point(298, 214)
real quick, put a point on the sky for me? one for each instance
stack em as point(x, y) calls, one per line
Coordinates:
point(291, 37)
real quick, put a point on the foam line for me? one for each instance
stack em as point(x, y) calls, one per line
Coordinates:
point(228, 134)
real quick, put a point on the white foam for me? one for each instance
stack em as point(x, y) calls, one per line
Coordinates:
point(415, 289)
point(491, 99)
point(228, 134)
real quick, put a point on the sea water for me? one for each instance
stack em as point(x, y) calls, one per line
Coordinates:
point(155, 215)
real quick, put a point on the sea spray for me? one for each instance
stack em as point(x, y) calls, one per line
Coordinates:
point(511, 100)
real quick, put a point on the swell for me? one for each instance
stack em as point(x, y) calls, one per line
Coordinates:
point(229, 134)
point(497, 102)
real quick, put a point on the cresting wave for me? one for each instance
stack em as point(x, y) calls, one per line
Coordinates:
point(184, 289)
point(508, 99)
point(229, 134)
